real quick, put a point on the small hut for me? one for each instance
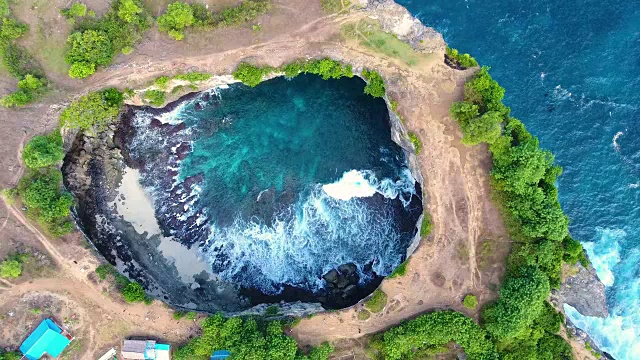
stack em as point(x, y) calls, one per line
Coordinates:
point(145, 350)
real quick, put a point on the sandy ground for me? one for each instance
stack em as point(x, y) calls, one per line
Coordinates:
point(464, 254)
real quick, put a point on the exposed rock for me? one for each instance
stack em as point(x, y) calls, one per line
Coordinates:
point(331, 276)
point(584, 292)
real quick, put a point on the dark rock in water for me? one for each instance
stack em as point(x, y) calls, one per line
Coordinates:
point(198, 107)
point(584, 292)
point(331, 276)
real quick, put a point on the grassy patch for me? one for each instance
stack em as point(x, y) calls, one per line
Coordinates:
point(334, 6)
point(363, 315)
point(155, 97)
point(415, 140)
point(370, 34)
point(377, 301)
point(427, 225)
point(399, 271)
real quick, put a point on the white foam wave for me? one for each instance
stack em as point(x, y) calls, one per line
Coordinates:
point(616, 146)
point(360, 184)
point(605, 253)
point(313, 236)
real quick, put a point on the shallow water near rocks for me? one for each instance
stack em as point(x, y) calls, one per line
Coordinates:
point(269, 188)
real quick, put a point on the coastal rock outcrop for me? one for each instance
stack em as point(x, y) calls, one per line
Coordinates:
point(583, 291)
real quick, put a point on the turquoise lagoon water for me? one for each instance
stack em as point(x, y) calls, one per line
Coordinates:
point(296, 177)
point(572, 74)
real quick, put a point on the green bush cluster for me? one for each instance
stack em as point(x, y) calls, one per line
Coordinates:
point(76, 10)
point(193, 76)
point(463, 60)
point(11, 355)
point(427, 225)
point(131, 291)
point(415, 140)
point(375, 84)
point(43, 150)
point(246, 339)
point(96, 41)
point(377, 301)
point(93, 111)
point(400, 270)
point(29, 88)
point(438, 329)
point(470, 302)
point(10, 269)
point(250, 75)
point(31, 80)
point(41, 192)
point(155, 97)
point(181, 15)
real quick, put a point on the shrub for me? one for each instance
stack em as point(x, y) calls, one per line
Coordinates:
point(177, 315)
point(377, 301)
point(415, 140)
point(10, 269)
point(375, 84)
point(92, 111)
point(438, 329)
point(155, 97)
point(11, 29)
point(327, 69)
point(161, 82)
point(193, 76)
point(246, 339)
point(41, 192)
point(96, 42)
point(105, 270)
point(250, 75)
point(427, 225)
point(11, 355)
point(28, 89)
point(76, 10)
point(470, 302)
point(134, 292)
point(248, 10)
point(363, 315)
point(464, 60)
point(179, 15)
point(43, 150)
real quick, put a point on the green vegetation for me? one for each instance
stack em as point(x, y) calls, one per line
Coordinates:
point(77, 10)
point(470, 302)
point(41, 192)
point(104, 270)
point(29, 88)
point(193, 76)
point(461, 60)
point(96, 41)
point(180, 16)
point(246, 339)
point(155, 97)
point(272, 310)
point(415, 140)
point(161, 82)
point(437, 329)
point(19, 63)
point(399, 271)
point(427, 225)
point(43, 150)
point(134, 292)
point(334, 6)
point(250, 75)
point(10, 268)
point(363, 315)
point(375, 84)
point(376, 302)
point(11, 355)
point(93, 111)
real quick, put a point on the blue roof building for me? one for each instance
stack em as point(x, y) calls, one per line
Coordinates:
point(220, 355)
point(48, 338)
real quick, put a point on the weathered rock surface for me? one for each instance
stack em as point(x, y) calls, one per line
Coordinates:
point(584, 292)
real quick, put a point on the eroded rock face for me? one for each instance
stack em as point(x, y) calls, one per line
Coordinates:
point(584, 292)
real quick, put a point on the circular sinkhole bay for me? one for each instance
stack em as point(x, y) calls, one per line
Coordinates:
point(228, 198)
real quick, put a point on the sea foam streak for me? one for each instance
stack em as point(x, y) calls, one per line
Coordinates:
point(360, 184)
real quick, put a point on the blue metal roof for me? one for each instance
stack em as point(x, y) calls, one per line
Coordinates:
point(220, 354)
point(46, 338)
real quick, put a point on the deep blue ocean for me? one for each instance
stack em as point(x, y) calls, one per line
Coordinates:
point(571, 70)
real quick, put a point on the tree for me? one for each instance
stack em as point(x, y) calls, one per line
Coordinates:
point(93, 110)
point(43, 150)
point(520, 303)
point(179, 15)
point(250, 75)
point(128, 10)
point(10, 269)
point(28, 88)
point(87, 50)
point(485, 128)
point(375, 84)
